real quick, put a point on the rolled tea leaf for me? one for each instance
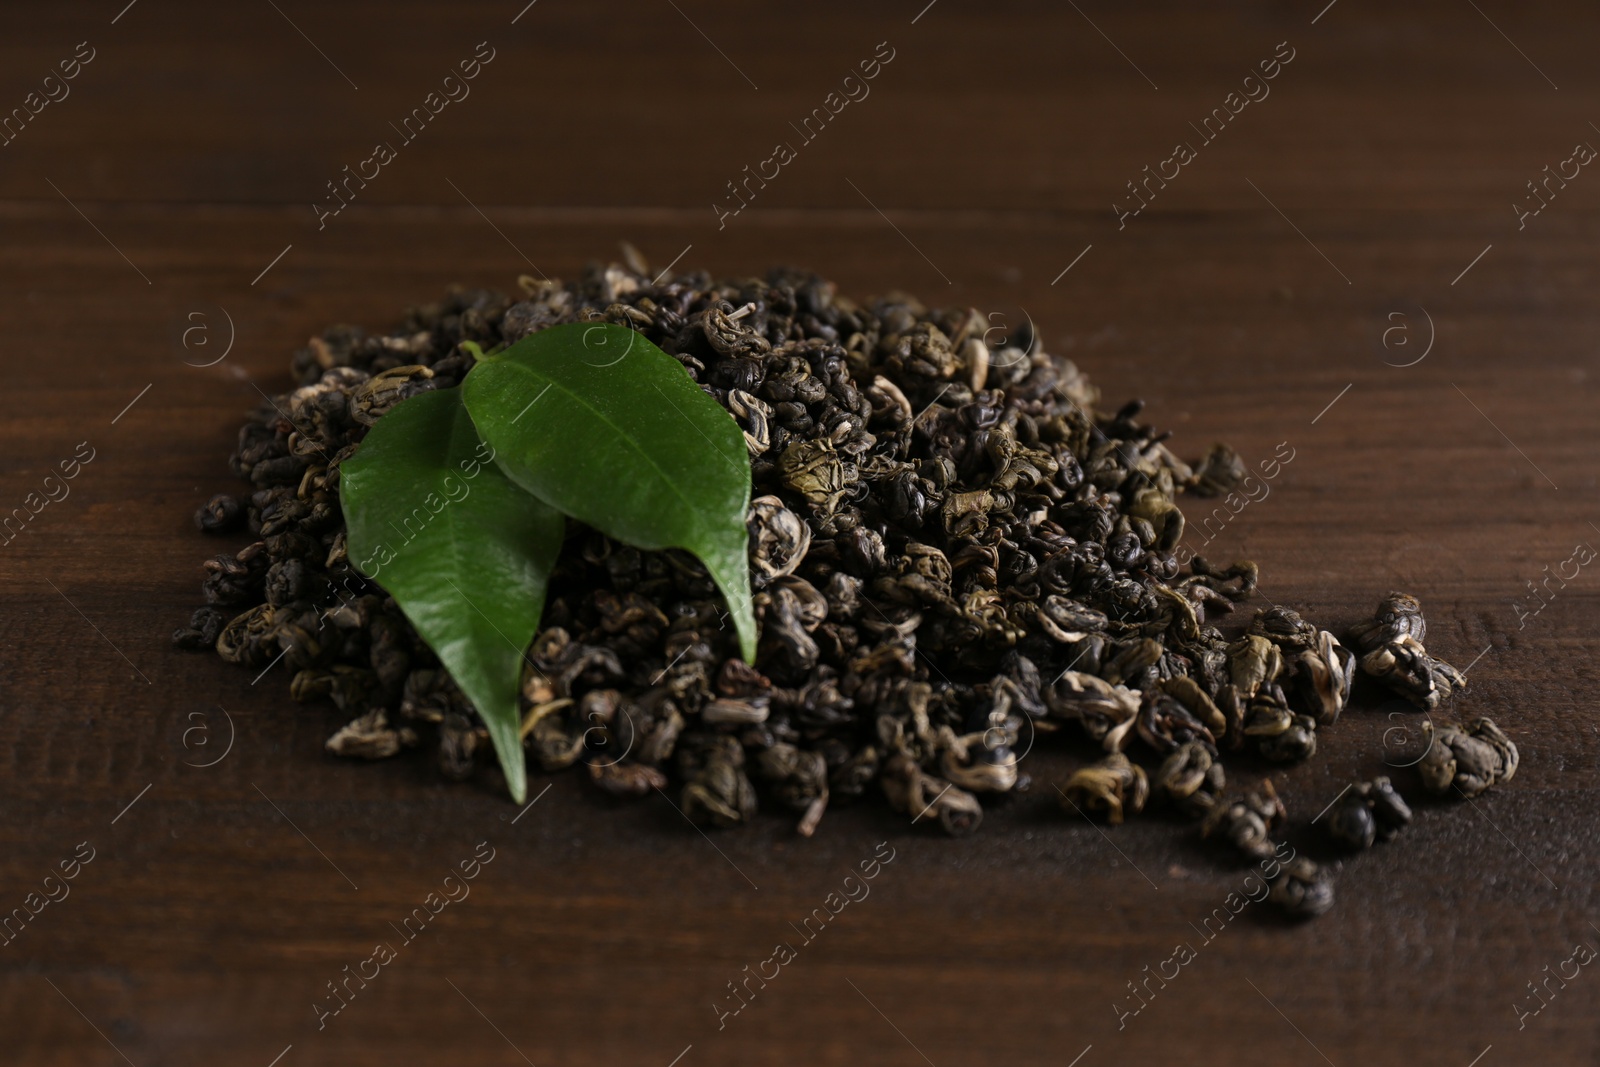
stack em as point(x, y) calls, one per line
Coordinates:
point(463, 551)
point(601, 424)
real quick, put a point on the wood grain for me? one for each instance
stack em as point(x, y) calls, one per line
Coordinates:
point(1249, 296)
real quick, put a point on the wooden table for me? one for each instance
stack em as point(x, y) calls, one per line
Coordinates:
point(1262, 297)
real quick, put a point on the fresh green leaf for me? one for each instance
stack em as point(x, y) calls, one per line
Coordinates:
point(463, 551)
point(601, 424)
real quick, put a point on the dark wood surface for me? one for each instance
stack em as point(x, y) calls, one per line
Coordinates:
point(218, 906)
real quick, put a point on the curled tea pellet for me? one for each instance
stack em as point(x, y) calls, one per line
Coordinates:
point(717, 791)
point(1191, 778)
point(1399, 615)
point(626, 779)
point(1107, 788)
point(1389, 809)
point(1247, 821)
point(1319, 667)
point(1393, 653)
point(1470, 760)
point(1296, 741)
point(1301, 889)
point(221, 514)
point(1368, 812)
point(1350, 822)
point(913, 792)
point(204, 627)
point(798, 779)
point(371, 737)
point(460, 741)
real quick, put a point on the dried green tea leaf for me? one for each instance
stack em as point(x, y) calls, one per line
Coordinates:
point(463, 551)
point(602, 425)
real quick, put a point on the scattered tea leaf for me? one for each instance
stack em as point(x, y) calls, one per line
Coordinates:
point(604, 426)
point(463, 551)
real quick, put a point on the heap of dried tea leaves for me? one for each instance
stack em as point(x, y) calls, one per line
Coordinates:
point(951, 551)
